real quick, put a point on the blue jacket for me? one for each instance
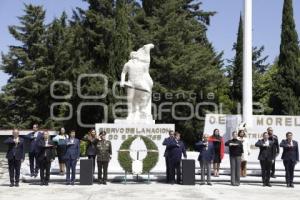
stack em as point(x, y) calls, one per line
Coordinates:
point(14, 150)
point(73, 150)
point(33, 141)
point(289, 153)
point(207, 153)
point(175, 150)
point(165, 143)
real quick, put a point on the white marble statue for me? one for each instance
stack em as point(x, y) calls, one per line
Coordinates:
point(139, 85)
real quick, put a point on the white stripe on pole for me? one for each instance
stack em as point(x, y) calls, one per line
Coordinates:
point(247, 64)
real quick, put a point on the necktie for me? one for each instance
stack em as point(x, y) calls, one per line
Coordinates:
point(46, 144)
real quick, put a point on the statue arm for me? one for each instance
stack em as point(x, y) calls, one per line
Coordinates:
point(123, 75)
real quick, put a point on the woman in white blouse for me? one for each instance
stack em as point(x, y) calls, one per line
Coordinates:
point(246, 147)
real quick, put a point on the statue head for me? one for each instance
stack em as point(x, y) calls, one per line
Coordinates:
point(133, 55)
point(149, 46)
point(143, 54)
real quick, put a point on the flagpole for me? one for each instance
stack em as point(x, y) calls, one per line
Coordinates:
point(247, 64)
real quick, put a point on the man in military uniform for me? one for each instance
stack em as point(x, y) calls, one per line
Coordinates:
point(103, 149)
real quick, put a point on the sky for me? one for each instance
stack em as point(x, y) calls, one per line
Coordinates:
point(221, 32)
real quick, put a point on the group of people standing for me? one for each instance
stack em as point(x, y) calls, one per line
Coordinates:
point(211, 152)
point(43, 150)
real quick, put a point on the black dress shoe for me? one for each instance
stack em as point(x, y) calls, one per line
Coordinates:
point(11, 185)
point(46, 183)
point(288, 185)
point(269, 185)
point(273, 176)
point(17, 184)
point(209, 184)
point(291, 185)
point(104, 183)
point(264, 184)
point(72, 183)
point(202, 183)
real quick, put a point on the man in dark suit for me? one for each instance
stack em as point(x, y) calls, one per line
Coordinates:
point(206, 156)
point(290, 157)
point(176, 149)
point(165, 142)
point(46, 155)
point(15, 156)
point(34, 137)
point(71, 157)
point(274, 139)
point(266, 157)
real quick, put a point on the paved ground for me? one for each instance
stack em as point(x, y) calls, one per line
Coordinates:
point(132, 191)
point(145, 191)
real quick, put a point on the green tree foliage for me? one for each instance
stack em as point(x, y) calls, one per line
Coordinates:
point(235, 72)
point(285, 98)
point(22, 101)
point(183, 60)
point(98, 40)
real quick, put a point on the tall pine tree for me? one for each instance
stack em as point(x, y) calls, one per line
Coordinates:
point(183, 62)
point(121, 41)
point(235, 71)
point(285, 97)
point(24, 64)
point(237, 68)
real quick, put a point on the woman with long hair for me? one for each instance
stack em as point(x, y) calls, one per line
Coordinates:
point(246, 147)
point(90, 138)
point(219, 147)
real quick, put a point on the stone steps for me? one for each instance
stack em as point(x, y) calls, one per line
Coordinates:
point(117, 176)
point(160, 178)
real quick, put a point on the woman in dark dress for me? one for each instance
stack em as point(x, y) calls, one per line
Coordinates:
point(60, 141)
point(90, 138)
point(218, 142)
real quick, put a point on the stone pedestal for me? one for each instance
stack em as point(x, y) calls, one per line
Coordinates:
point(118, 132)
